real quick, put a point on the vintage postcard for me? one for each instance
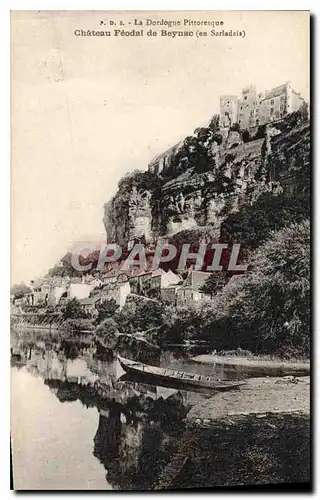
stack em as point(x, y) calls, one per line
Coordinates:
point(160, 275)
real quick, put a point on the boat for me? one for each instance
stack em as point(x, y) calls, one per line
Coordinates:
point(177, 377)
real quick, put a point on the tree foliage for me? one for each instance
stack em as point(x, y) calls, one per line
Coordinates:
point(140, 314)
point(73, 310)
point(106, 309)
point(19, 291)
point(268, 310)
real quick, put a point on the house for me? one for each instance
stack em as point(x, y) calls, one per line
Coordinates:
point(89, 305)
point(153, 280)
point(80, 288)
point(40, 291)
point(190, 291)
point(169, 294)
point(117, 291)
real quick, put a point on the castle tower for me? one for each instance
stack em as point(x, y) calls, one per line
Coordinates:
point(228, 110)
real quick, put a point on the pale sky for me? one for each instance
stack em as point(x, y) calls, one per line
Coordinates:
point(86, 110)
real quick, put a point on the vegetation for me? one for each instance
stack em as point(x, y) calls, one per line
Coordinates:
point(73, 310)
point(139, 314)
point(77, 325)
point(267, 310)
point(19, 291)
point(106, 309)
point(107, 332)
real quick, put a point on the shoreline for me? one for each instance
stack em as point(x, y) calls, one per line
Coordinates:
point(255, 367)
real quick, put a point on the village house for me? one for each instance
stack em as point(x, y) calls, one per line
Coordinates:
point(89, 305)
point(80, 288)
point(190, 291)
point(159, 279)
point(115, 290)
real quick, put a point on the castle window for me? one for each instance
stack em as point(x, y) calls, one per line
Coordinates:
point(251, 113)
point(281, 108)
point(226, 113)
point(272, 101)
point(282, 98)
point(245, 97)
point(271, 111)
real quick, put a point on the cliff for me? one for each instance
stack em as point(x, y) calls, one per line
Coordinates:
point(201, 181)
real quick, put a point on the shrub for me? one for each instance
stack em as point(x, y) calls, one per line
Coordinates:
point(268, 310)
point(139, 314)
point(107, 332)
point(106, 309)
point(73, 310)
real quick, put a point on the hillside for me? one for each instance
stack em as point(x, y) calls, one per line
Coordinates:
point(210, 183)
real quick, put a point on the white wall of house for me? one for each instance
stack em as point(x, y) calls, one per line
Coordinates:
point(79, 290)
point(169, 278)
point(123, 293)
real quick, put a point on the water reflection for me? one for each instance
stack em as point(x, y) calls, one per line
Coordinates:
point(138, 425)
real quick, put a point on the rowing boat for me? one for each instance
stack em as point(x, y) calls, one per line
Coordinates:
point(176, 376)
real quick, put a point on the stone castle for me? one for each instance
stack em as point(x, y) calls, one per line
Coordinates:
point(176, 195)
point(253, 109)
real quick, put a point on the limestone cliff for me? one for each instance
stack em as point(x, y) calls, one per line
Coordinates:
point(204, 179)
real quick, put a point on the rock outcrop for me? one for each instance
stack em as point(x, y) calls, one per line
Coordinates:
point(199, 182)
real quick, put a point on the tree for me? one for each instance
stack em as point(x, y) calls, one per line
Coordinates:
point(268, 309)
point(213, 284)
point(140, 314)
point(20, 291)
point(107, 332)
point(106, 309)
point(214, 124)
point(73, 310)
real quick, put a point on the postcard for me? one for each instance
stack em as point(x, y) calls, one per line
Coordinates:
point(160, 242)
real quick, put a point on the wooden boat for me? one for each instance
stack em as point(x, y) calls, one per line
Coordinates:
point(176, 377)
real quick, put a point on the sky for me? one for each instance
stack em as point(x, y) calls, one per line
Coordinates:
point(86, 110)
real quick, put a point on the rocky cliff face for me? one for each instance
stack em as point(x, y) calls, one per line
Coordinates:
point(206, 179)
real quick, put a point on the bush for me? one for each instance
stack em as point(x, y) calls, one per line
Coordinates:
point(268, 310)
point(107, 332)
point(106, 309)
point(78, 324)
point(139, 314)
point(179, 324)
point(73, 310)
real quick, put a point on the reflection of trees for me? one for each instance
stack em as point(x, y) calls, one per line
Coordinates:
point(136, 434)
point(137, 431)
point(135, 442)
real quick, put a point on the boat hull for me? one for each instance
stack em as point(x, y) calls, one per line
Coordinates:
point(176, 378)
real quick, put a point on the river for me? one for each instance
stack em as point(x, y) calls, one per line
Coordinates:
point(65, 435)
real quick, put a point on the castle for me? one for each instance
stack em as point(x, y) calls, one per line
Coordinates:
point(253, 109)
point(249, 111)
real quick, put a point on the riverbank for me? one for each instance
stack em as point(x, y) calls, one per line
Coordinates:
point(258, 435)
point(255, 366)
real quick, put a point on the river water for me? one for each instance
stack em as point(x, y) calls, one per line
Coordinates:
point(66, 434)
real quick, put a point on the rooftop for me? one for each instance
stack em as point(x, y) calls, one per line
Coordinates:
point(276, 91)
